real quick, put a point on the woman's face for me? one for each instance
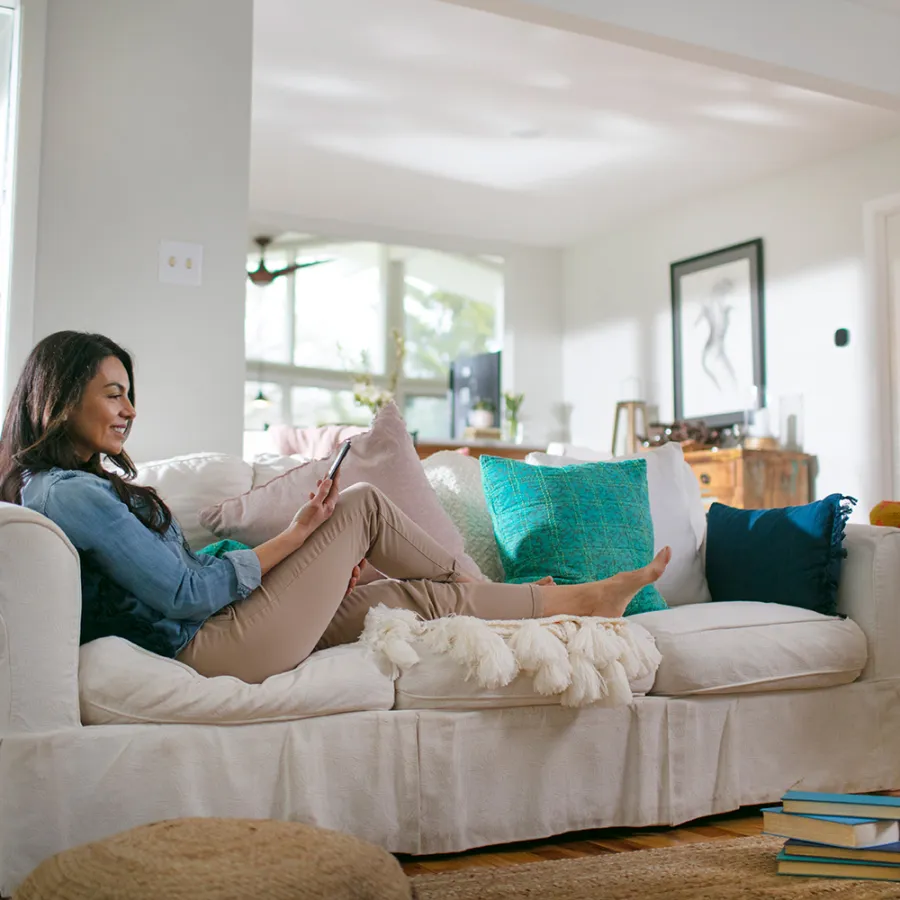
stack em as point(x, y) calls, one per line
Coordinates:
point(102, 420)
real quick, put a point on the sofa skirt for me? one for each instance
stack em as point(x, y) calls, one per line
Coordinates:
point(433, 781)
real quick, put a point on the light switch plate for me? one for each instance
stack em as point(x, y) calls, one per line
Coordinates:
point(180, 263)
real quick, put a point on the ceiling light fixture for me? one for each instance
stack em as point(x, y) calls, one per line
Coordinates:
point(261, 401)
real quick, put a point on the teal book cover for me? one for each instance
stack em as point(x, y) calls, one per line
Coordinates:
point(816, 797)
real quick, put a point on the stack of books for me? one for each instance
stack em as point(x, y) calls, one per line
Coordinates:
point(837, 835)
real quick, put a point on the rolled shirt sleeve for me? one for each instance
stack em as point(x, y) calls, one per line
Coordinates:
point(157, 572)
point(246, 568)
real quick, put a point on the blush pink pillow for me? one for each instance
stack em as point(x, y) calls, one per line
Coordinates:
point(313, 443)
point(383, 456)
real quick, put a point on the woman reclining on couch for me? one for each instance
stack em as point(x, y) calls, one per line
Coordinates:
point(252, 613)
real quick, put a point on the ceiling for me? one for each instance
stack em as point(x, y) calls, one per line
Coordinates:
point(427, 117)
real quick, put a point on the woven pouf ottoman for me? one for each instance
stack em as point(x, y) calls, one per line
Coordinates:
point(220, 859)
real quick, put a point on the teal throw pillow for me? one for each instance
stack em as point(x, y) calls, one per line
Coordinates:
point(220, 548)
point(577, 523)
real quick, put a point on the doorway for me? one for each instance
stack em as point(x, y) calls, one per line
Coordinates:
point(882, 237)
point(892, 284)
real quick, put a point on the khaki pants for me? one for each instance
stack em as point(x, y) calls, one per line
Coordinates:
point(301, 604)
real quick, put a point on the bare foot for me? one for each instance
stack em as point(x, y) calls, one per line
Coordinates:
point(607, 598)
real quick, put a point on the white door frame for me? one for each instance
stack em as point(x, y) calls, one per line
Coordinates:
point(887, 321)
point(28, 82)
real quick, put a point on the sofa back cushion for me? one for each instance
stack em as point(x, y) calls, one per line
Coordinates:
point(194, 482)
point(679, 520)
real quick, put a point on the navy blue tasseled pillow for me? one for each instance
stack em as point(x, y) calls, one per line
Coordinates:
point(791, 556)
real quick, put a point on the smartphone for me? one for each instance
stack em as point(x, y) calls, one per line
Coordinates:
point(345, 449)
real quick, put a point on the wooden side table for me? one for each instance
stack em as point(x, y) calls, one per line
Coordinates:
point(754, 479)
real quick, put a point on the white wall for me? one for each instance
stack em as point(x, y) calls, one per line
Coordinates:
point(146, 133)
point(617, 319)
point(532, 325)
point(844, 47)
point(532, 343)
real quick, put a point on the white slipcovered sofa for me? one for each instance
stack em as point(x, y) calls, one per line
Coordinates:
point(748, 700)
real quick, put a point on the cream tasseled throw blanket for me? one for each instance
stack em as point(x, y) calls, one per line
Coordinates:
point(584, 660)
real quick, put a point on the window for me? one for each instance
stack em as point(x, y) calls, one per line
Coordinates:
point(450, 309)
point(311, 334)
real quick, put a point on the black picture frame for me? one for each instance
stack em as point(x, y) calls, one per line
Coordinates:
point(752, 292)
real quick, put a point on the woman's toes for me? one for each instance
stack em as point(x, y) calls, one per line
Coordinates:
point(660, 562)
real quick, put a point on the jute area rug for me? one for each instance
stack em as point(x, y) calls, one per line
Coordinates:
point(741, 869)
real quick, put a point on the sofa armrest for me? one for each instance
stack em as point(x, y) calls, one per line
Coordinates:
point(869, 594)
point(40, 623)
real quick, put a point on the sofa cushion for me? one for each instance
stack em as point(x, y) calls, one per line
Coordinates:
point(438, 681)
point(744, 647)
point(191, 483)
point(676, 508)
point(384, 456)
point(578, 523)
point(120, 683)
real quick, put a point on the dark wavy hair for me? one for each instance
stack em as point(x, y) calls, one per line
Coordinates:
point(35, 437)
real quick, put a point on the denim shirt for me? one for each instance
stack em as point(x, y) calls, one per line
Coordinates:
point(135, 583)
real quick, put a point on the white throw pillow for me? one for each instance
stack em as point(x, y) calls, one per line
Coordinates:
point(679, 520)
point(267, 466)
point(191, 483)
point(456, 479)
point(588, 454)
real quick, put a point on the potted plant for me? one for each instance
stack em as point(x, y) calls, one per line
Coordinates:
point(482, 414)
point(366, 392)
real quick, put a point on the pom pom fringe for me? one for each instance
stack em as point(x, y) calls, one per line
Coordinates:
point(582, 660)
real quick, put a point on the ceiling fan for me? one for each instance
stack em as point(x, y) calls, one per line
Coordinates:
point(261, 276)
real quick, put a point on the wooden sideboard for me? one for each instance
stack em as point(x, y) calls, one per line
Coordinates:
point(478, 448)
point(754, 479)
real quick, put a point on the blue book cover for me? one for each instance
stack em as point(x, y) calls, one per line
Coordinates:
point(843, 820)
point(817, 797)
point(784, 857)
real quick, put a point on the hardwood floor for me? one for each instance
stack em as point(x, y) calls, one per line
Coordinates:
point(592, 843)
point(740, 823)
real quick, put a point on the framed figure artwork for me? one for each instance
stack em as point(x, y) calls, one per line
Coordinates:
point(718, 334)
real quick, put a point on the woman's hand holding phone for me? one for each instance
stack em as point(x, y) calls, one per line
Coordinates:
point(320, 506)
point(308, 518)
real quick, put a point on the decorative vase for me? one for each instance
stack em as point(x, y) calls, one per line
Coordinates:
point(481, 418)
point(513, 431)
